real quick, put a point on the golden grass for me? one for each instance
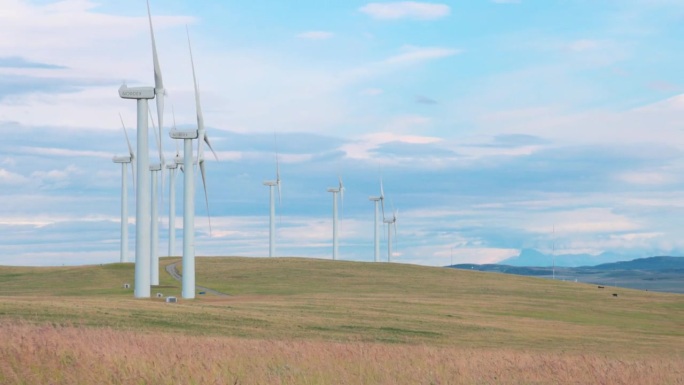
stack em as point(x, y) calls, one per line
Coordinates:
point(32, 354)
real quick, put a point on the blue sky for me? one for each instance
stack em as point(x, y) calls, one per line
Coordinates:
point(490, 123)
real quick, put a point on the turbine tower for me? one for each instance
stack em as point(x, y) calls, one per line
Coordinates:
point(143, 197)
point(391, 222)
point(377, 199)
point(271, 230)
point(155, 169)
point(125, 160)
point(172, 167)
point(334, 191)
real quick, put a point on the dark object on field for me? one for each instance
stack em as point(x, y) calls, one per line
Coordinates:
point(203, 292)
point(127, 285)
point(614, 294)
point(171, 299)
point(600, 287)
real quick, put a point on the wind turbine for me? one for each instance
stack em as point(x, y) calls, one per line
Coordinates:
point(202, 136)
point(334, 191)
point(390, 222)
point(188, 279)
point(125, 160)
point(271, 230)
point(143, 197)
point(377, 199)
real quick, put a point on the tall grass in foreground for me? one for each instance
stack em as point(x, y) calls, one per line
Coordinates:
point(31, 354)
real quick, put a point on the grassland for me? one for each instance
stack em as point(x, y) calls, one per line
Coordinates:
point(290, 320)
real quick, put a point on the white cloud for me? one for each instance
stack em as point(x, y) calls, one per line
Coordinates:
point(43, 151)
point(10, 178)
point(315, 35)
point(419, 54)
point(406, 10)
point(57, 176)
point(646, 178)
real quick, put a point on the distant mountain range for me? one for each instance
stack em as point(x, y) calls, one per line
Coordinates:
point(532, 257)
point(653, 273)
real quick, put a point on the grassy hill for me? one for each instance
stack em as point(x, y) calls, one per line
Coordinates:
point(338, 300)
point(304, 301)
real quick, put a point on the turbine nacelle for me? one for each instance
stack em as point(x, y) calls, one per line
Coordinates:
point(122, 159)
point(183, 134)
point(375, 199)
point(155, 167)
point(126, 92)
point(334, 190)
point(271, 183)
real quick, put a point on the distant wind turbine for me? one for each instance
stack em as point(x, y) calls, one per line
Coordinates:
point(334, 190)
point(125, 160)
point(143, 196)
point(271, 230)
point(391, 222)
point(377, 199)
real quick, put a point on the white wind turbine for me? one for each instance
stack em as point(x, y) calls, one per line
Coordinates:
point(377, 199)
point(271, 230)
point(188, 279)
point(124, 160)
point(143, 197)
point(390, 223)
point(334, 191)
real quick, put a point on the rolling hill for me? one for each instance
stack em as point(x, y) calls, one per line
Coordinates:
point(665, 274)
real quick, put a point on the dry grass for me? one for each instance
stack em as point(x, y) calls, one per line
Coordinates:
point(32, 354)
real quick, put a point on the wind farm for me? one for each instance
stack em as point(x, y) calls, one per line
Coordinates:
point(406, 102)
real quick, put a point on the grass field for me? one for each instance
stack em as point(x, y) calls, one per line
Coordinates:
point(290, 320)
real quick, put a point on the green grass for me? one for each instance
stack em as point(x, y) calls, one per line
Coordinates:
point(304, 299)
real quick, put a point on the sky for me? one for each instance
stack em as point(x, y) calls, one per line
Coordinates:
point(495, 125)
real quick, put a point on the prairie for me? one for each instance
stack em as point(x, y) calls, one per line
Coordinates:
point(293, 320)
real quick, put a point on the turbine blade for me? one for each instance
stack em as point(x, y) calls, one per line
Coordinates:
point(133, 172)
point(157, 137)
point(173, 111)
point(280, 200)
point(198, 107)
point(341, 187)
point(130, 148)
point(206, 139)
point(161, 153)
point(206, 195)
point(158, 81)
